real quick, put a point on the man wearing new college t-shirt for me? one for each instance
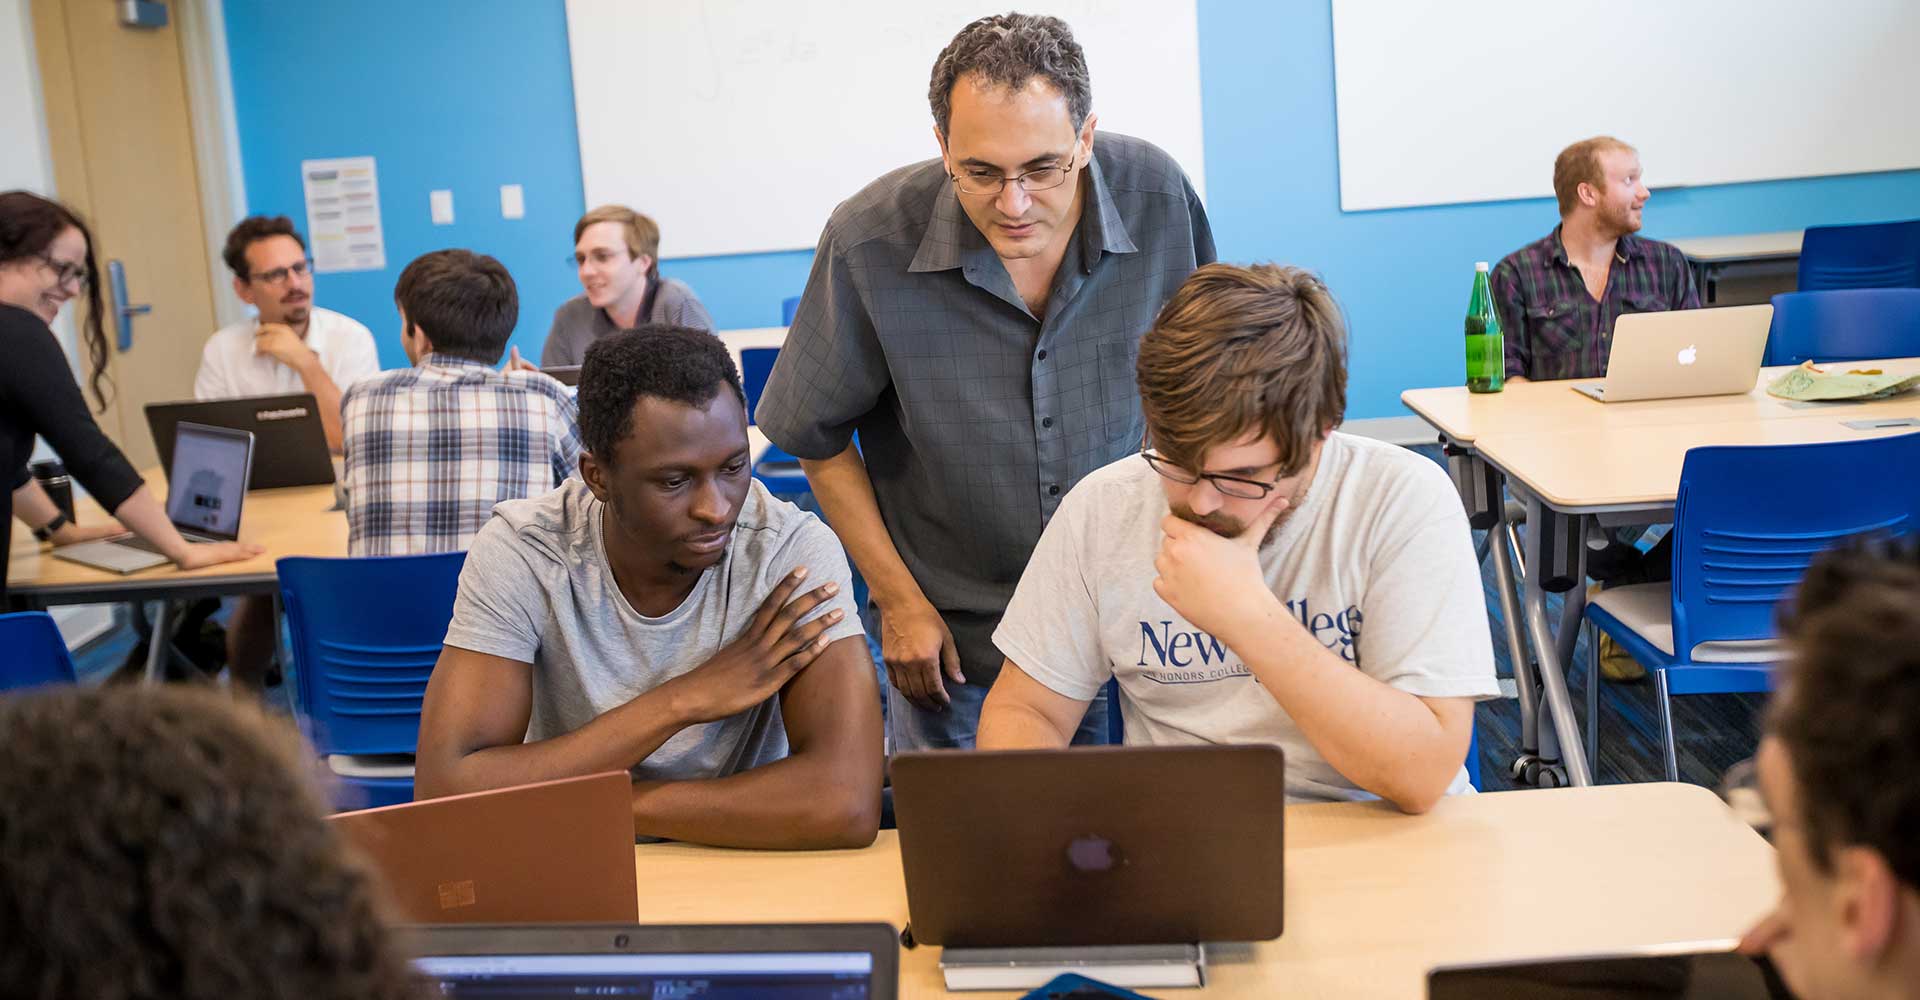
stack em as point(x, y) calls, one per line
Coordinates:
point(1255, 576)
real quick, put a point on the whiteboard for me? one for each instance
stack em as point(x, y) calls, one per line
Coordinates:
point(1442, 103)
point(738, 125)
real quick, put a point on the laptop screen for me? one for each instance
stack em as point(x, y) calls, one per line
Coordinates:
point(209, 480)
point(725, 976)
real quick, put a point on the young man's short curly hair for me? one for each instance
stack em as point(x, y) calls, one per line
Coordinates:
point(675, 363)
point(251, 230)
point(164, 842)
point(1848, 713)
point(1244, 350)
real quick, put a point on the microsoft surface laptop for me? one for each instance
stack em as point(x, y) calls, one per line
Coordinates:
point(206, 488)
point(290, 446)
point(552, 852)
point(1685, 971)
point(1092, 845)
point(1686, 352)
point(711, 962)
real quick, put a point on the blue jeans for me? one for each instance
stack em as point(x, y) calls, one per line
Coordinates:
point(915, 728)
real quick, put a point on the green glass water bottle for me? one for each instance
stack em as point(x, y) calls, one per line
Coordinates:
point(1486, 348)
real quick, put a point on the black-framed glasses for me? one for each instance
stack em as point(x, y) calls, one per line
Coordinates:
point(279, 275)
point(65, 272)
point(992, 181)
point(1229, 486)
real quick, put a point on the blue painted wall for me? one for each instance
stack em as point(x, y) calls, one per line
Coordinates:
point(472, 94)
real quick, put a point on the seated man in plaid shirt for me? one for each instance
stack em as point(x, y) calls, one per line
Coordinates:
point(430, 449)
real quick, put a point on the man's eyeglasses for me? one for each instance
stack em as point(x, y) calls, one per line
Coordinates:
point(1230, 486)
point(992, 181)
point(65, 273)
point(600, 257)
point(279, 275)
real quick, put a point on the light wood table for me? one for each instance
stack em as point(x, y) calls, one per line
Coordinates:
point(1373, 899)
point(1751, 255)
point(298, 521)
point(1569, 458)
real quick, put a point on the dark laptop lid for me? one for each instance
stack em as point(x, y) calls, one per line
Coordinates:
point(207, 486)
point(1092, 845)
point(1669, 972)
point(552, 852)
point(734, 962)
point(290, 442)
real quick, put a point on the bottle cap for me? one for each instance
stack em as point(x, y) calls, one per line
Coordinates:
point(1479, 265)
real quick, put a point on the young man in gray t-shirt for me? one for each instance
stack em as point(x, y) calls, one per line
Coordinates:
point(1256, 577)
point(655, 615)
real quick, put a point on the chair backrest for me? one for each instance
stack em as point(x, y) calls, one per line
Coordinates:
point(366, 633)
point(1852, 324)
point(33, 651)
point(788, 307)
point(753, 353)
point(1748, 520)
point(1878, 255)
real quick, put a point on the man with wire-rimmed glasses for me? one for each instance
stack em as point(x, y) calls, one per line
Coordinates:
point(974, 318)
point(1254, 576)
point(292, 346)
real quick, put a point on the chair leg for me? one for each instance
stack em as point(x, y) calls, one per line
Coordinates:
point(1593, 700)
point(1667, 747)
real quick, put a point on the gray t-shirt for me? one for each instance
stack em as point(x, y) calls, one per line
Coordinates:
point(578, 323)
point(1380, 539)
point(537, 589)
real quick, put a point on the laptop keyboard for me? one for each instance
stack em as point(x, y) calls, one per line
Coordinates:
point(136, 542)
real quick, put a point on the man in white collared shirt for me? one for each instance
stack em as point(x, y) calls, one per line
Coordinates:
point(293, 346)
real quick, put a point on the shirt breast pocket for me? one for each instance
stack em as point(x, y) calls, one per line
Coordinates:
point(1553, 328)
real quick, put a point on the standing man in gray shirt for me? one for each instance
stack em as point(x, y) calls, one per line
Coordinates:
point(617, 252)
point(975, 318)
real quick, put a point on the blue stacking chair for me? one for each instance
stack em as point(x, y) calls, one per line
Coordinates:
point(779, 471)
point(32, 652)
point(787, 308)
point(366, 633)
point(1880, 255)
point(1747, 521)
point(1853, 324)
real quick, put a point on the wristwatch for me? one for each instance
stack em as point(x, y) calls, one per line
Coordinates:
point(45, 531)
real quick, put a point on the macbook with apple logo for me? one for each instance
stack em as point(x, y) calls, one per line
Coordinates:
point(1092, 845)
point(1686, 352)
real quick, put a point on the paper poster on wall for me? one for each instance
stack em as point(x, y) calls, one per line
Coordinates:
point(343, 214)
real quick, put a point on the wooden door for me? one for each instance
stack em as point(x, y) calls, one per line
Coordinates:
point(123, 156)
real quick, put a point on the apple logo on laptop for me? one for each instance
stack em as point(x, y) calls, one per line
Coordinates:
point(1093, 853)
point(1687, 355)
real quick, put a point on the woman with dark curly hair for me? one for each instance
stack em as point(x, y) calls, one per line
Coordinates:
point(46, 259)
point(170, 843)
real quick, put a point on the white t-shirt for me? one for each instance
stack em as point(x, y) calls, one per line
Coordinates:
point(230, 368)
point(1377, 563)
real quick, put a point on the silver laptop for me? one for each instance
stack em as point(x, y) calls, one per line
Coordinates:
point(1687, 352)
point(205, 490)
point(765, 961)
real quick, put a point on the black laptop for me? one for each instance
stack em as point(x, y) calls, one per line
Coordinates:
point(731, 962)
point(1092, 845)
point(290, 445)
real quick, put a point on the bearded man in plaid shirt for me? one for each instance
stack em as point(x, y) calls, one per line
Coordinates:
point(430, 449)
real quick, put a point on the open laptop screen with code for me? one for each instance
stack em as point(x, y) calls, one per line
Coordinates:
point(810, 976)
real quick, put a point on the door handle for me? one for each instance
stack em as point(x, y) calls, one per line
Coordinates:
point(122, 310)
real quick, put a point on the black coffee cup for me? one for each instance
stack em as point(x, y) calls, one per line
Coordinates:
point(53, 479)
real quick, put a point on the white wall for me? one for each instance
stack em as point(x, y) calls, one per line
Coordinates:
point(23, 155)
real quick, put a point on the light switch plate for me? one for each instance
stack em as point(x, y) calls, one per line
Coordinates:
point(513, 202)
point(442, 204)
